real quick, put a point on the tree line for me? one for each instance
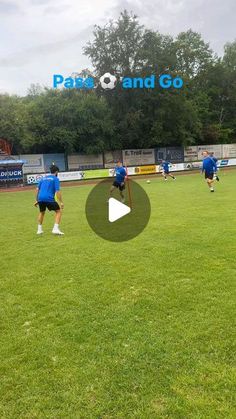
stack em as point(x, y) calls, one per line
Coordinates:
point(91, 121)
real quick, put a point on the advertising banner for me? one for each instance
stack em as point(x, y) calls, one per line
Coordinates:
point(175, 154)
point(232, 162)
point(33, 163)
point(160, 154)
point(193, 165)
point(175, 167)
point(131, 171)
point(111, 157)
point(215, 148)
point(228, 151)
point(198, 164)
point(11, 173)
point(83, 162)
point(94, 174)
point(138, 157)
point(57, 158)
point(103, 173)
point(145, 170)
point(63, 177)
point(226, 162)
point(191, 153)
point(140, 170)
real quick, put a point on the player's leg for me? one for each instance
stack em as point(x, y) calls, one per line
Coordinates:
point(216, 177)
point(40, 222)
point(172, 176)
point(164, 175)
point(112, 189)
point(58, 214)
point(121, 189)
point(56, 229)
point(53, 206)
point(114, 186)
point(42, 209)
point(122, 196)
point(210, 182)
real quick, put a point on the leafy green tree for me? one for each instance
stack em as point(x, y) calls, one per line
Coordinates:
point(229, 58)
point(12, 121)
point(115, 45)
point(156, 53)
point(176, 122)
point(192, 53)
point(69, 121)
point(217, 86)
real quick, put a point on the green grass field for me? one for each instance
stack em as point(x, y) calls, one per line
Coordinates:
point(142, 329)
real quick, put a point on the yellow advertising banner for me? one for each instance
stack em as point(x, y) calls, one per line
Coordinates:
point(145, 170)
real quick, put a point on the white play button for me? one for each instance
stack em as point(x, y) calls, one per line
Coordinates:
point(116, 210)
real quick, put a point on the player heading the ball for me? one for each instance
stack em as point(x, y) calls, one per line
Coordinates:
point(47, 194)
point(119, 182)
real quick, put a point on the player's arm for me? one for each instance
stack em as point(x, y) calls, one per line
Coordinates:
point(36, 197)
point(124, 176)
point(36, 193)
point(58, 193)
point(59, 198)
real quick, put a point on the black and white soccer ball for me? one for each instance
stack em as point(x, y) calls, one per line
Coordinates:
point(108, 81)
point(31, 179)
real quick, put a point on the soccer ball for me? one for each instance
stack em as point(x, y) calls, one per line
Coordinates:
point(108, 81)
point(31, 179)
point(148, 181)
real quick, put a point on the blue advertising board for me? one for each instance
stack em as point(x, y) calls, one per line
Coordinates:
point(11, 173)
point(173, 154)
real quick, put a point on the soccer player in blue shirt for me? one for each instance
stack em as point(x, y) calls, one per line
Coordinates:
point(49, 188)
point(209, 167)
point(119, 182)
point(166, 170)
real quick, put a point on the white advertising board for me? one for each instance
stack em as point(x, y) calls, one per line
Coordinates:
point(33, 163)
point(90, 160)
point(138, 157)
point(213, 148)
point(228, 151)
point(63, 177)
point(190, 153)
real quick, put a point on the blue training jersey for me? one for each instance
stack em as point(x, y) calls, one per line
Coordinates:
point(120, 174)
point(209, 165)
point(166, 166)
point(48, 186)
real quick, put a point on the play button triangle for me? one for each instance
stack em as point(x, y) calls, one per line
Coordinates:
point(117, 210)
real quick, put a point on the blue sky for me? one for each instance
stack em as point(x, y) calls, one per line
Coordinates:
point(43, 37)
